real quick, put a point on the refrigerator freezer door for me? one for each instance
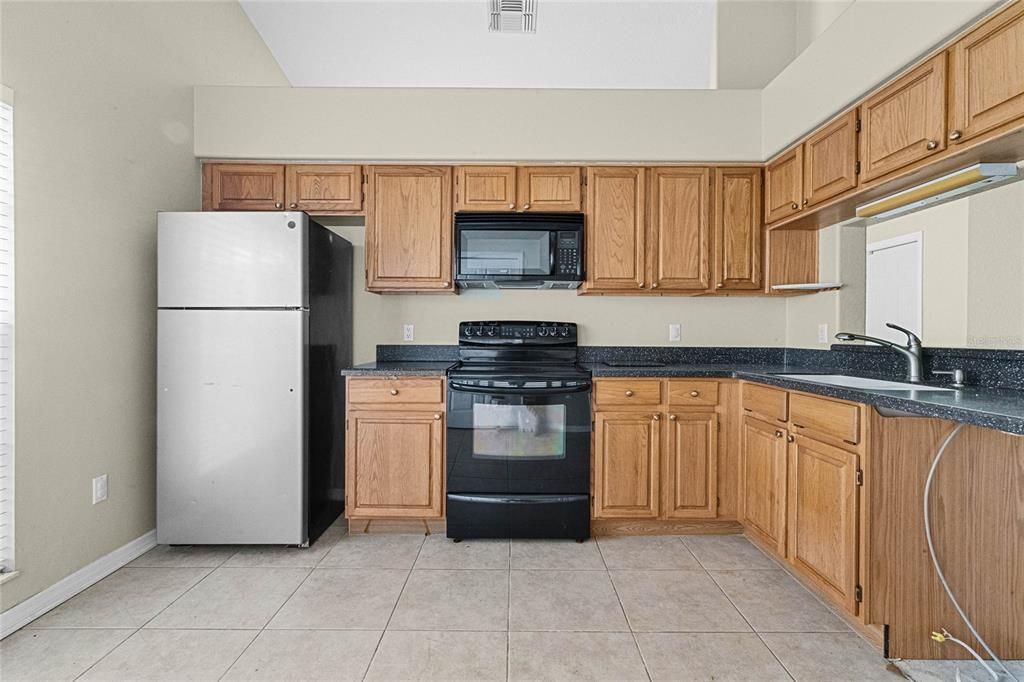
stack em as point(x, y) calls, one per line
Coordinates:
point(232, 260)
point(231, 427)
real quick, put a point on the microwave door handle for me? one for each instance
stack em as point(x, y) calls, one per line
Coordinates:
point(552, 252)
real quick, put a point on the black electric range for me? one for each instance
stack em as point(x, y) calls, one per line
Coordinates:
point(518, 438)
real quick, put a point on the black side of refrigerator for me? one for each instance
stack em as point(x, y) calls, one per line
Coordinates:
point(330, 350)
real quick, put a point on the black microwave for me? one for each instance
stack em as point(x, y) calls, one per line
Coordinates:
point(519, 250)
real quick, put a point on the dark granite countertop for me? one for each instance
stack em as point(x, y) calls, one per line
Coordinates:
point(996, 408)
point(407, 368)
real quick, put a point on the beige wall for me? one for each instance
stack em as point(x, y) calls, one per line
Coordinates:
point(603, 320)
point(103, 140)
point(478, 125)
point(869, 41)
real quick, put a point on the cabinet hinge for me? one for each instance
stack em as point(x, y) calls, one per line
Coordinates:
point(860, 477)
point(346, 425)
point(858, 594)
point(856, 168)
point(856, 128)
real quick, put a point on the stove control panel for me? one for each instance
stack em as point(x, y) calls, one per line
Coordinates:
point(517, 332)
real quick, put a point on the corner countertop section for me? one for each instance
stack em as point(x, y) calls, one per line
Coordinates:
point(405, 368)
point(994, 408)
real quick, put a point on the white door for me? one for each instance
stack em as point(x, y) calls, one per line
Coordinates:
point(893, 287)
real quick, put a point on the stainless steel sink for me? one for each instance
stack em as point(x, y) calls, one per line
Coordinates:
point(859, 382)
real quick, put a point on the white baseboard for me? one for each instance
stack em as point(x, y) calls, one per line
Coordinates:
point(16, 617)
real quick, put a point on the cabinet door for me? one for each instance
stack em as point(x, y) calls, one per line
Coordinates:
point(394, 464)
point(409, 228)
point(784, 185)
point(243, 187)
point(830, 160)
point(550, 188)
point(986, 70)
point(615, 229)
point(763, 482)
point(904, 122)
point(822, 519)
point(689, 481)
point(324, 188)
point(485, 188)
point(626, 461)
point(739, 234)
point(680, 234)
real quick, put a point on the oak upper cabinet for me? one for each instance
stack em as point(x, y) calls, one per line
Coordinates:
point(830, 160)
point(326, 188)
point(243, 187)
point(615, 239)
point(627, 449)
point(739, 235)
point(485, 188)
point(689, 481)
point(550, 188)
point(784, 185)
point(680, 228)
point(822, 522)
point(986, 70)
point(394, 464)
point(905, 121)
point(763, 481)
point(409, 228)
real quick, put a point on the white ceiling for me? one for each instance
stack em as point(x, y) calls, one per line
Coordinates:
point(429, 43)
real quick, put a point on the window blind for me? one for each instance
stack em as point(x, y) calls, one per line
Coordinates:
point(6, 337)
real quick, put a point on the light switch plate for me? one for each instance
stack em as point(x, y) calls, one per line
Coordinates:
point(675, 332)
point(823, 333)
point(408, 332)
point(99, 489)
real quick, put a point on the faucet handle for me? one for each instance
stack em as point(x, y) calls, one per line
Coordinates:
point(912, 338)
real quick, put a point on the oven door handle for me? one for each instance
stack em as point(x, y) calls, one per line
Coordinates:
point(500, 390)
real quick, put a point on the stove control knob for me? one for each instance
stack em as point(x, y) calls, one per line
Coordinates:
point(543, 331)
point(564, 331)
point(468, 331)
point(490, 331)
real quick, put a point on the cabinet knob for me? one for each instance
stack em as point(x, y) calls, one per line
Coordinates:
point(437, 416)
point(806, 201)
point(932, 144)
point(445, 283)
point(778, 434)
point(790, 438)
point(278, 204)
point(719, 285)
point(526, 207)
point(671, 417)
point(955, 135)
point(394, 391)
point(640, 286)
point(694, 394)
point(656, 417)
point(293, 205)
point(629, 394)
point(511, 206)
point(654, 286)
point(794, 206)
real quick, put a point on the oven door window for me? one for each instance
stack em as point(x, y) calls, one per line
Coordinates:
point(505, 252)
point(518, 432)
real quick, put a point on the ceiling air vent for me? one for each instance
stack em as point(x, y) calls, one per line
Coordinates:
point(513, 16)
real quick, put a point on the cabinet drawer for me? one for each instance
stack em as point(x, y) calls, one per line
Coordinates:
point(689, 392)
point(397, 391)
point(824, 418)
point(770, 403)
point(627, 392)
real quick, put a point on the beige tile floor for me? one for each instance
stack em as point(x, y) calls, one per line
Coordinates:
point(405, 607)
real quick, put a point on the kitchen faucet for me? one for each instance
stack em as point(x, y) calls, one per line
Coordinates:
point(912, 350)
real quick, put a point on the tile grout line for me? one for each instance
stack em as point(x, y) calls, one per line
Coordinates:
point(508, 619)
point(632, 633)
point(394, 608)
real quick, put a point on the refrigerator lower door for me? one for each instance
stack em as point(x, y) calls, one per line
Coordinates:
point(218, 259)
point(231, 427)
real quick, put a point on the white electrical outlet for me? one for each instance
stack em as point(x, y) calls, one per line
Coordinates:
point(99, 489)
point(408, 332)
point(675, 332)
point(822, 333)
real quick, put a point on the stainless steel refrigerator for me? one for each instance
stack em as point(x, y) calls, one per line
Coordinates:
point(254, 322)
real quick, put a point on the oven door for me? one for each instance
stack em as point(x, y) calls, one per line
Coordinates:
point(519, 437)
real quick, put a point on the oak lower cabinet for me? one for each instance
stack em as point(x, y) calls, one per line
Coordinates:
point(822, 519)
point(409, 229)
point(763, 482)
point(655, 449)
point(394, 449)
